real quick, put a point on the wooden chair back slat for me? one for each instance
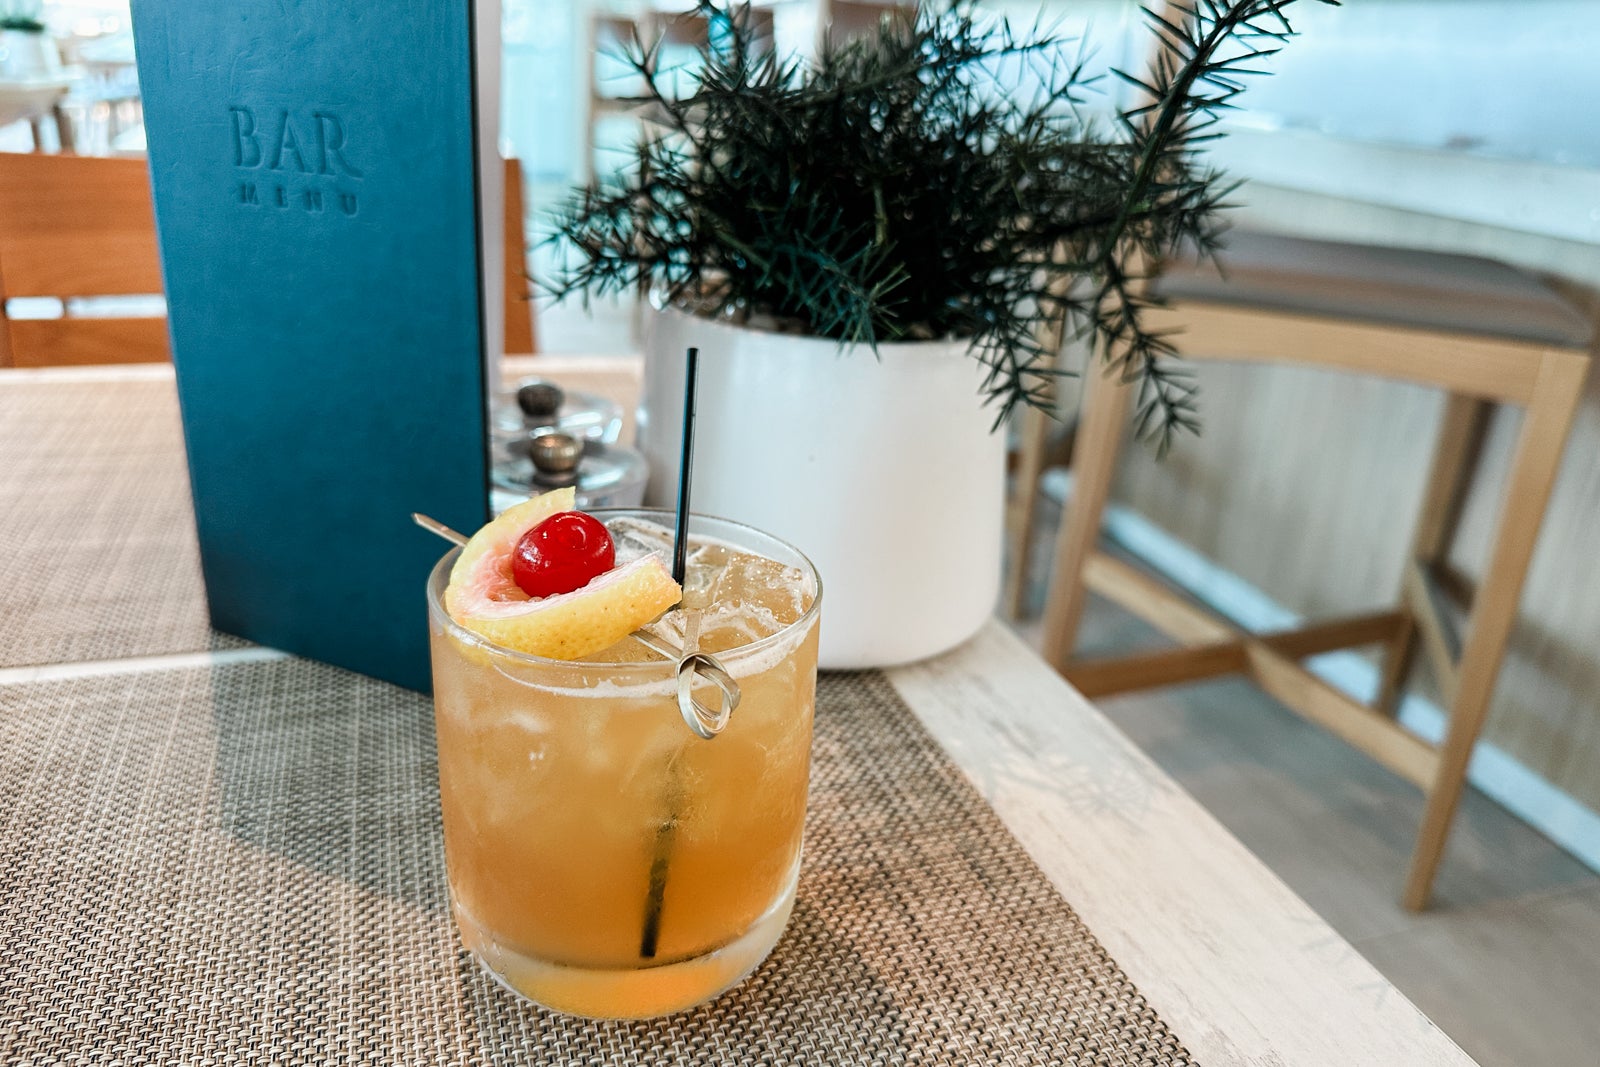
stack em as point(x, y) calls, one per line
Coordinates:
point(76, 226)
point(844, 19)
point(85, 342)
point(520, 335)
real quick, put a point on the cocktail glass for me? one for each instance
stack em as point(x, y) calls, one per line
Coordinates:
point(603, 859)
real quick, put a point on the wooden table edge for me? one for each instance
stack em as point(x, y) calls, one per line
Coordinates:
point(1235, 962)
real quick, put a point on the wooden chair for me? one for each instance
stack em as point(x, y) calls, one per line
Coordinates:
point(521, 333)
point(688, 30)
point(1483, 332)
point(74, 227)
point(666, 33)
point(608, 35)
point(843, 19)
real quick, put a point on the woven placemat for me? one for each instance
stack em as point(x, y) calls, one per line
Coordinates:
point(97, 548)
point(243, 864)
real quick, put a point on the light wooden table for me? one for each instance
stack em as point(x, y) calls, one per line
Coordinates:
point(1239, 967)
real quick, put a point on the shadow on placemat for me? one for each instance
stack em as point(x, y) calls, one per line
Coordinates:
point(335, 771)
point(98, 558)
point(243, 864)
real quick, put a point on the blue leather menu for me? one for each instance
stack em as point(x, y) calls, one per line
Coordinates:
point(315, 186)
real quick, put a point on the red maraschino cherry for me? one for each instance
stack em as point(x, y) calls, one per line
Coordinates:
point(561, 554)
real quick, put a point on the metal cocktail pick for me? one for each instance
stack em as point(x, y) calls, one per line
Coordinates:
point(704, 721)
point(455, 537)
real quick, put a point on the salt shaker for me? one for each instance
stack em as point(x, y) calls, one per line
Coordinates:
point(603, 475)
point(536, 404)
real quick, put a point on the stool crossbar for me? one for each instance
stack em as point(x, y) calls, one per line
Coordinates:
point(1542, 373)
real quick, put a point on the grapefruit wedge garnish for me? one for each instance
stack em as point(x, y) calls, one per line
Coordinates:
point(484, 597)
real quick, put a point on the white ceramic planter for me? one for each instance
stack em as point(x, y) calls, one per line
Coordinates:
point(24, 55)
point(880, 468)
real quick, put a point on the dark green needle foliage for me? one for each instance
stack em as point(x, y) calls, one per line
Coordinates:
point(21, 15)
point(896, 190)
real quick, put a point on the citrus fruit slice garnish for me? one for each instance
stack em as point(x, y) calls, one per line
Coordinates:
point(483, 595)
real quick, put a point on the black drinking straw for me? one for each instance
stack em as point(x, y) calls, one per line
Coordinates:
point(680, 554)
point(680, 535)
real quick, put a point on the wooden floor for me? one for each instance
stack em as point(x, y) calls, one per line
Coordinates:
point(1508, 960)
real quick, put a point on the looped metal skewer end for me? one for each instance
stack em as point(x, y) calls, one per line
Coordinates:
point(706, 722)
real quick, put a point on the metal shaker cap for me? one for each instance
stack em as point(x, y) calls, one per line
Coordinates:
point(540, 399)
point(555, 458)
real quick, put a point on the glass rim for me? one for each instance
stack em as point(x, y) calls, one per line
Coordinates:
point(438, 580)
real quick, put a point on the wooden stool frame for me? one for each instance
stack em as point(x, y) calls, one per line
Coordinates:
point(1475, 371)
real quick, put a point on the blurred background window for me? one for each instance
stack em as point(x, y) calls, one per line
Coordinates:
point(1448, 107)
point(1441, 106)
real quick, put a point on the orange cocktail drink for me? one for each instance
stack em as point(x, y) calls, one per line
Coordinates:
point(604, 859)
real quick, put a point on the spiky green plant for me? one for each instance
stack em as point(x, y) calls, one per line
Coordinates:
point(21, 15)
point(894, 189)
